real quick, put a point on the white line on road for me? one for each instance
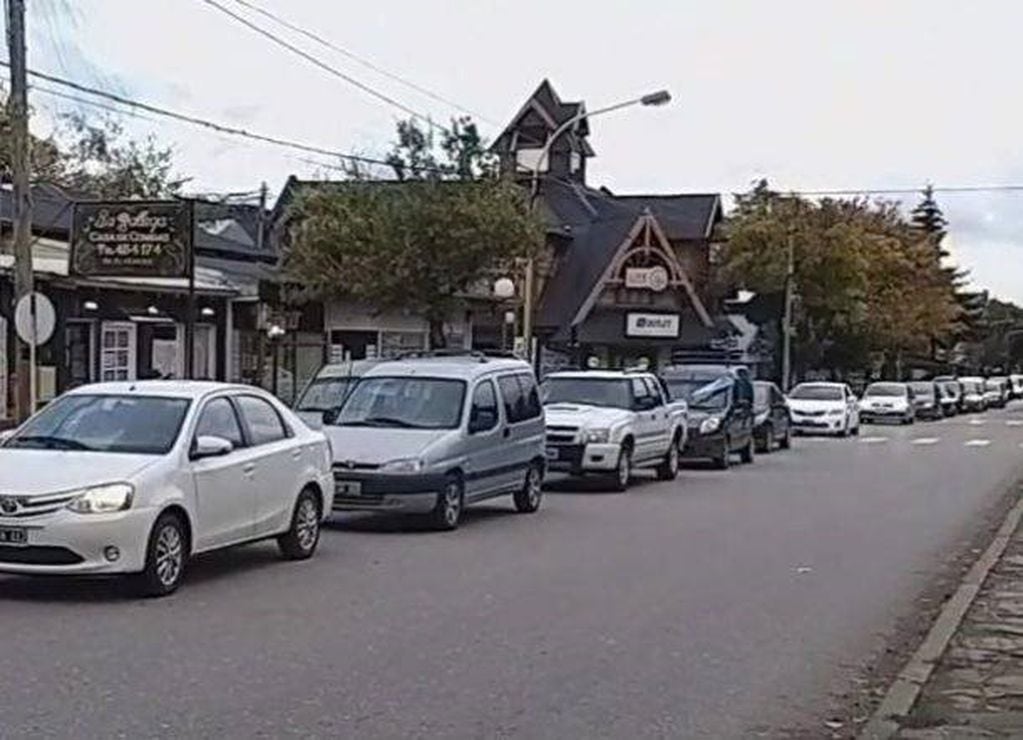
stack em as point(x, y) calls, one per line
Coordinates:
point(873, 440)
point(977, 422)
point(977, 443)
point(926, 441)
point(1014, 423)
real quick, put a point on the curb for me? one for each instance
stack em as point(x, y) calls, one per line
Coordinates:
point(903, 693)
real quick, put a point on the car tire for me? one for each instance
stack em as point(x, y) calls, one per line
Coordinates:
point(844, 431)
point(527, 499)
point(786, 441)
point(724, 458)
point(623, 470)
point(746, 453)
point(166, 557)
point(302, 537)
point(668, 469)
point(765, 445)
point(447, 513)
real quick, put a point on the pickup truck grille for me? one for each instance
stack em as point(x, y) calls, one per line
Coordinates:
point(561, 435)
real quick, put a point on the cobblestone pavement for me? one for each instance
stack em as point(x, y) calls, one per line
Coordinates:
point(976, 690)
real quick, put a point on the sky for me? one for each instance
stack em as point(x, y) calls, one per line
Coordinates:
point(811, 94)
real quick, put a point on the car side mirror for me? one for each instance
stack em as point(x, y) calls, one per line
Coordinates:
point(482, 420)
point(210, 446)
point(330, 416)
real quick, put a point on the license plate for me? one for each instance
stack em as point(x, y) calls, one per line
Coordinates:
point(349, 488)
point(13, 536)
point(553, 453)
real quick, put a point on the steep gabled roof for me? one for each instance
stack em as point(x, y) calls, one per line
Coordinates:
point(552, 111)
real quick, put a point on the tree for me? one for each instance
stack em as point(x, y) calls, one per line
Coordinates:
point(865, 281)
point(96, 159)
point(421, 242)
point(928, 218)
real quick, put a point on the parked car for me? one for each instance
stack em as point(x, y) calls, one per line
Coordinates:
point(974, 394)
point(432, 434)
point(996, 390)
point(610, 422)
point(772, 420)
point(1016, 386)
point(720, 421)
point(950, 397)
point(135, 478)
point(926, 399)
point(828, 408)
point(888, 402)
point(323, 396)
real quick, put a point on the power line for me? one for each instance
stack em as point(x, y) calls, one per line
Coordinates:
point(323, 65)
point(361, 60)
point(910, 191)
point(202, 122)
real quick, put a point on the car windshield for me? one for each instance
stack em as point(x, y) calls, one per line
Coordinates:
point(324, 394)
point(888, 390)
point(712, 396)
point(922, 389)
point(949, 390)
point(612, 392)
point(404, 403)
point(993, 384)
point(812, 392)
point(972, 386)
point(144, 425)
point(761, 396)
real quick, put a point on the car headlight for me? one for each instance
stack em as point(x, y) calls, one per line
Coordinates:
point(403, 465)
point(598, 436)
point(103, 499)
point(710, 425)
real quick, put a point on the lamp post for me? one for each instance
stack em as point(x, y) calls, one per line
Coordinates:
point(504, 289)
point(661, 97)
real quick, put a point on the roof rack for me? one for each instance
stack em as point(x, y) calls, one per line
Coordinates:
point(474, 354)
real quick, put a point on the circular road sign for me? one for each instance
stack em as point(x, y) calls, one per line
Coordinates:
point(39, 331)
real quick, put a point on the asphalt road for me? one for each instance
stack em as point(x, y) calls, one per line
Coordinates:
point(726, 604)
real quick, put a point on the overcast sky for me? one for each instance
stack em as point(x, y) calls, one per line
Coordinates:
point(811, 94)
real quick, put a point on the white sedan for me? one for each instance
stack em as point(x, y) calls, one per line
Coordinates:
point(827, 408)
point(134, 478)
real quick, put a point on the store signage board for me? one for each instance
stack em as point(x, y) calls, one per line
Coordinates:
point(646, 278)
point(653, 325)
point(131, 239)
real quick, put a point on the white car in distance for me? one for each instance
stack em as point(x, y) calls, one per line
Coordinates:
point(825, 408)
point(135, 478)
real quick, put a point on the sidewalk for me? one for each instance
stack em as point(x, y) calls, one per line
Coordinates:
point(976, 688)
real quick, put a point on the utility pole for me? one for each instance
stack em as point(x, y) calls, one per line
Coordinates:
point(786, 322)
point(18, 112)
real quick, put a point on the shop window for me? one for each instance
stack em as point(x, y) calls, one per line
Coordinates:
point(117, 359)
point(393, 343)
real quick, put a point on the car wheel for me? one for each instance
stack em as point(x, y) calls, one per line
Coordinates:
point(668, 469)
point(746, 453)
point(766, 443)
point(723, 460)
point(301, 539)
point(786, 440)
point(527, 499)
point(166, 557)
point(623, 470)
point(447, 514)
point(844, 431)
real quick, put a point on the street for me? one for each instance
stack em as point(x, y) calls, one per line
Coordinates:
point(723, 604)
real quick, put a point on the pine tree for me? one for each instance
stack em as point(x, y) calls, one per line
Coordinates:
point(928, 218)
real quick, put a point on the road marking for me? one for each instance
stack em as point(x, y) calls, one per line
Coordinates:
point(1014, 423)
point(873, 440)
point(926, 441)
point(977, 443)
point(977, 422)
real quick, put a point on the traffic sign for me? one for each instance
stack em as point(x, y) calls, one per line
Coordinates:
point(35, 324)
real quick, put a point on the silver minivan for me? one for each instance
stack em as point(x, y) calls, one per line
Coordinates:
point(432, 434)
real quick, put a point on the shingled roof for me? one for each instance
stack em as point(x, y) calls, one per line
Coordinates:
point(595, 223)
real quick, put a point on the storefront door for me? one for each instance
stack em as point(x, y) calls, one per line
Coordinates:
point(118, 348)
point(78, 346)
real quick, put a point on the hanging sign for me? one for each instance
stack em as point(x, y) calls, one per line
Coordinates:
point(654, 325)
point(646, 278)
point(131, 239)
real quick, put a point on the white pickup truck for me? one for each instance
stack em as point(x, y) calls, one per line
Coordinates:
point(611, 422)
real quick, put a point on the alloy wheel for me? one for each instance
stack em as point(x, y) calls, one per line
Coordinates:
point(307, 524)
point(169, 555)
point(452, 504)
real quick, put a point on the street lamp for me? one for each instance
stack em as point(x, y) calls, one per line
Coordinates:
point(504, 288)
point(660, 97)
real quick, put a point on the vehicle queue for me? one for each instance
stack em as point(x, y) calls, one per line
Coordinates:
point(134, 478)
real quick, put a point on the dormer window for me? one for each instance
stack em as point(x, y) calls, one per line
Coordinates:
point(527, 160)
point(575, 162)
